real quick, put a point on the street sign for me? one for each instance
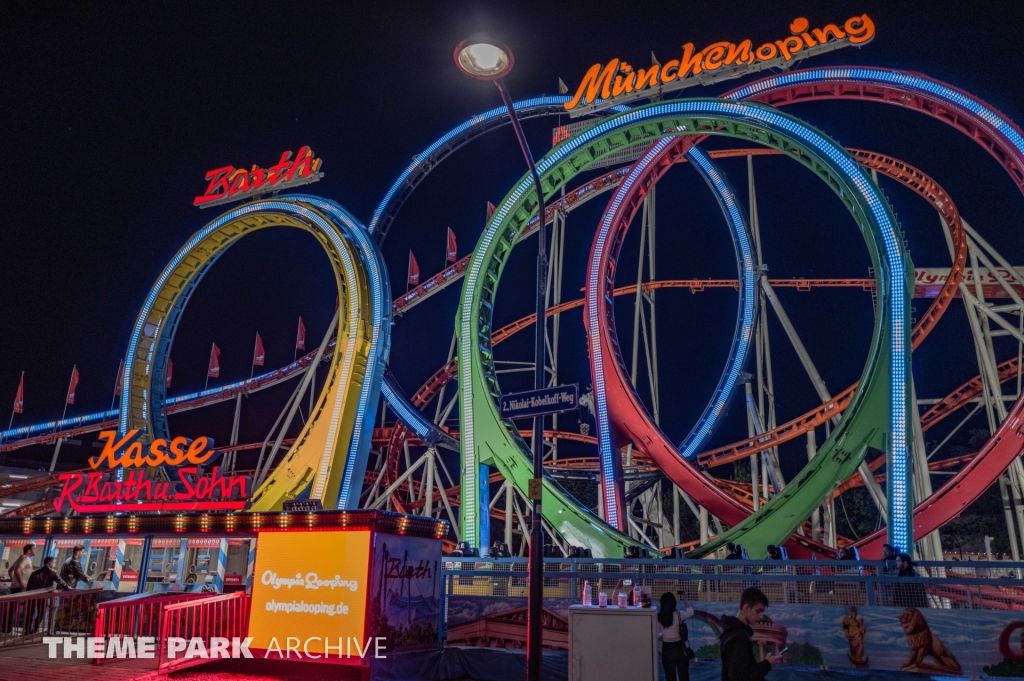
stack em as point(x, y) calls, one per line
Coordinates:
point(537, 402)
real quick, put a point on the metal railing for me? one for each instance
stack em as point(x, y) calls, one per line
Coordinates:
point(25, 618)
point(224, 616)
point(135, 616)
point(940, 585)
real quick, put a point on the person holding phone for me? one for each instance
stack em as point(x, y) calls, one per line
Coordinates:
point(675, 651)
point(738, 663)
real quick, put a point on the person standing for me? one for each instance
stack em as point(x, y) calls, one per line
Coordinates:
point(674, 637)
point(911, 594)
point(19, 574)
point(43, 578)
point(738, 663)
point(22, 569)
point(71, 572)
point(889, 554)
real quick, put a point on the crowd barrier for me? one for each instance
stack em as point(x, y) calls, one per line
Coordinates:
point(25, 618)
point(137, 616)
point(223, 616)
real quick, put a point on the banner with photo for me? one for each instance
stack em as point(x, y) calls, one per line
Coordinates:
point(937, 641)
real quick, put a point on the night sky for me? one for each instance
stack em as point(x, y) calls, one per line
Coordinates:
point(113, 112)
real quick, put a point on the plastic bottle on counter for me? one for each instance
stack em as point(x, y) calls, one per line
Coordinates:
point(587, 593)
point(636, 595)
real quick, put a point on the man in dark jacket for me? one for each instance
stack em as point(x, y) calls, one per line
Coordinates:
point(738, 663)
point(71, 572)
point(46, 577)
point(912, 594)
point(43, 578)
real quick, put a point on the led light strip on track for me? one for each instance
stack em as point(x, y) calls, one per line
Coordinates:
point(890, 167)
point(486, 438)
point(980, 121)
point(478, 125)
point(330, 451)
point(986, 125)
point(612, 486)
point(629, 414)
point(929, 189)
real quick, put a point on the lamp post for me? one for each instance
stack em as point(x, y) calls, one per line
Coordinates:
point(487, 60)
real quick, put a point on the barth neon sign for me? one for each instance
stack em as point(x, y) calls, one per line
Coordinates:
point(233, 184)
point(98, 491)
point(618, 81)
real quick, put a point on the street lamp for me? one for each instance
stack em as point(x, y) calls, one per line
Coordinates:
point(485, 59)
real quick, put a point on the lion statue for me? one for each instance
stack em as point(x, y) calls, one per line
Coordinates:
point(923, 643)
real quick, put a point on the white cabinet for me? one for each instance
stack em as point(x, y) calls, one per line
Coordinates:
point(612, 644)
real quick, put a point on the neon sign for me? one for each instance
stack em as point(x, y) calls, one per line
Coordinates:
point(233, 184)
point(618, 81)
point(98, 491)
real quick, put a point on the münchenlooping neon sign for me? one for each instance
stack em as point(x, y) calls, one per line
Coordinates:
point(617, 81)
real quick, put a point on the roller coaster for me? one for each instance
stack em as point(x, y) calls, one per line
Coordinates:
point(872, 424)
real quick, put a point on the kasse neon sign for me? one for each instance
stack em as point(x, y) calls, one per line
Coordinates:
point(617, 82)
point(98, 491)
point(233, 184)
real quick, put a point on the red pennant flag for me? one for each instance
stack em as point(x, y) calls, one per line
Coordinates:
point(119, 383)
point(73, 385)
point(453, 250)
point(300, 338)
point(170, 373)
point(214, 370)
point(490, 210)
point(19, 399)
point(258, 354)
point(414, 271)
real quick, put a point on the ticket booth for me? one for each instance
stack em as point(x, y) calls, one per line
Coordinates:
point(166, 560)
point(199, 564)
point(109, 562)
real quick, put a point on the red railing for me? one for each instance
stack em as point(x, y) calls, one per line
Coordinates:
point(136, 616)
point(27, 617)
point(225, 616)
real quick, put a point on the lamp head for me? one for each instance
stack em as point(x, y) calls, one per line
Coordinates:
point(483, 59)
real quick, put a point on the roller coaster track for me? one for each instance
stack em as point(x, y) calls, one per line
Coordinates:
point(477, 382)
point(999, 136)
point(995, 133)
point(1004, 141)
point(329, 455)
point(907, 175)
point(930, 190)
point(873, 409)
point(428, 159)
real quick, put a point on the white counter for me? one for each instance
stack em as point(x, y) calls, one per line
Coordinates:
point(612, 643)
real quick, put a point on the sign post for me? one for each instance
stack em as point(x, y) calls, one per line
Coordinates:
point(541, 402)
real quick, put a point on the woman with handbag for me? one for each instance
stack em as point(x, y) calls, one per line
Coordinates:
point(675, 649)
